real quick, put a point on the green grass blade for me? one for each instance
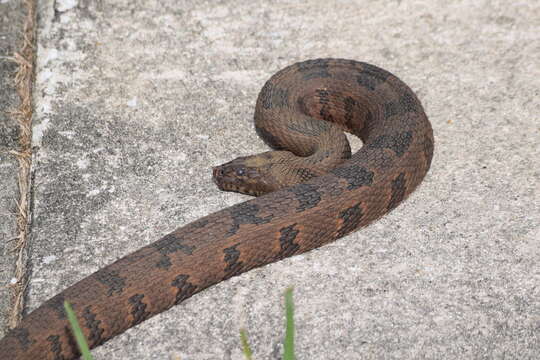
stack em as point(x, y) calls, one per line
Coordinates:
point(288, 345)
point(79, 336)
point(245, 345)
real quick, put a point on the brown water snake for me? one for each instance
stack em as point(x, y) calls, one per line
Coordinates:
point(300, 112)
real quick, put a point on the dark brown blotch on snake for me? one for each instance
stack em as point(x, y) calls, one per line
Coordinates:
point(55, 347)
point(307, 196)
point(112, 280)
point(310, 190)
point(286, 241)
point(138, 308)
point(184, 288)
point(398, 191)
point(349, 218)
point(56, 304)
point(170, 244)
point(92, 323)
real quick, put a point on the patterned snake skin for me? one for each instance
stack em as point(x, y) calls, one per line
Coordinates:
point(337, 194)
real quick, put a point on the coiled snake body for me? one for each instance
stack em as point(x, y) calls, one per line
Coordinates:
point(312, 192)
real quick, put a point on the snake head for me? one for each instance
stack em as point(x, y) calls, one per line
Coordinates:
point(248, 175)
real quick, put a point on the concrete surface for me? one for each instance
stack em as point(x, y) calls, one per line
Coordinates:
point(136, 100)
point(11, 28)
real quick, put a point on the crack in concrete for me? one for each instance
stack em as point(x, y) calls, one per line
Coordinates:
point(24, 78)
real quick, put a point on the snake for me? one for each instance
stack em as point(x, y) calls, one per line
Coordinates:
point(309, 190)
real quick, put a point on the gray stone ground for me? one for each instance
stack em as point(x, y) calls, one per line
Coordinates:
point(135, 100)
point(11, 26)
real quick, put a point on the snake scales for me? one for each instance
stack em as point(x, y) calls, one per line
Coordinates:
point(312, 192)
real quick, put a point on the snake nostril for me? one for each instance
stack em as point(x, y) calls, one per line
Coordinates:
point(218, 171)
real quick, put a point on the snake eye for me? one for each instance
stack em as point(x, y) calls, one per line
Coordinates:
point(240, 171)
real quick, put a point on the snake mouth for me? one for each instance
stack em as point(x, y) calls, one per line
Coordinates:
point(217, 176)
point(224, 182)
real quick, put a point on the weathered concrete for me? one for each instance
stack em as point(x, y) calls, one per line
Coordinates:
point(11, 27)
point(135, 100)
